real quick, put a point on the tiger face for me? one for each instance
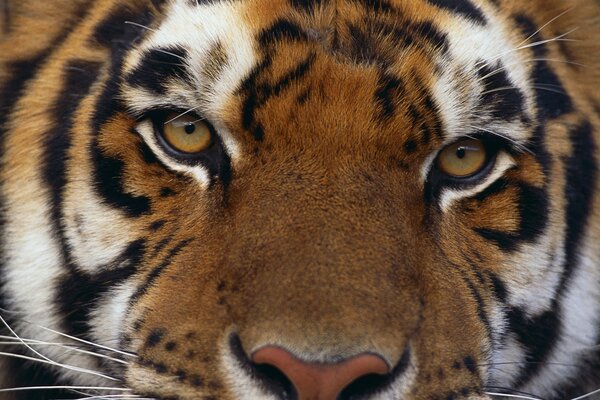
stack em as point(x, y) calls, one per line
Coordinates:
point(312, 200)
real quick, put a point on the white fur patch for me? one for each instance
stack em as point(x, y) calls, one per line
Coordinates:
point(33, 265)
point(580, 318)
point(198, 29)
point(94, 242)
point(459, 89)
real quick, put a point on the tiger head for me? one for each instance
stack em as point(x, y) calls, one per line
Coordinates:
point(318, 199)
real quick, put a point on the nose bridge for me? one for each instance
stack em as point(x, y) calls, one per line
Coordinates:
point(315, 261)
point(315, 231)
point(320, 212)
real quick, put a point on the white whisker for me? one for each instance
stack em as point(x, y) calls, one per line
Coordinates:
point(140, 26)
point(587, 395)
point(64, 366)
point(483, 63)
point(32, 342)
point(545, 25)
point(54, 363)
point(87, 342)
point(513, 396)
point(541, 42)
point(548, 88)
point(110, 396)
point(517, 144)
point(124, 353)
point(500, 89)
point(99, 388)
point(171, 54)
point(507, 66)
point(182, 114)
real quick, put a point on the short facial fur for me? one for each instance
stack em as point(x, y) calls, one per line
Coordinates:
point(318, 222)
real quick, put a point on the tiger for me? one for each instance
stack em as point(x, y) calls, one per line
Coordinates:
point(300, 199)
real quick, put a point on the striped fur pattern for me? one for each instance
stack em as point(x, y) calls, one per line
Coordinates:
point(318, 220)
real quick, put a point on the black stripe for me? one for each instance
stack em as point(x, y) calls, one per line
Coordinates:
point(282, 29)
point(481, 311)
point(119, 41)
point(533, 212)
point(427, 32)
point(157, 225)
point(552, 98)
point(25, 374)
point(463, 7)
point(79, 291)
point(158, 69)
point(160, 246)
point(533, 219)
point(500, 96)
point(388, 93)
point(79, 77)
point(581, 179)
point(363, 49)
point(259, 93)
point(422, 94)
point(537, 146)
point(108, 171)
point(499, 288)
point(418, 35)
point(539, 335)
point(20, 73)
point(507, 241)
point(113, 32)
point(252, 103)
point(377, 6)
point(108, 184)
point(266, 91)
point(307, 5)
point(155, 273)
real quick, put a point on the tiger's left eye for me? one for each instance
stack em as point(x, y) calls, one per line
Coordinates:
point(186, 133)
point(463, 158)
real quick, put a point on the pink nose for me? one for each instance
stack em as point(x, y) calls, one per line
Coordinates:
point(314, 381)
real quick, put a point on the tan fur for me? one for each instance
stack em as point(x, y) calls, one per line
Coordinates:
point(322, 243)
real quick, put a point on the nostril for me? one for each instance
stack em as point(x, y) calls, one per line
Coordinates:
point(319, 381)
point(268, 376)
point(275, 380)
point(370, 385)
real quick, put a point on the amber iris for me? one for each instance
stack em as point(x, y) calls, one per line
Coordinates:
point(463, 158)
point(187, 133)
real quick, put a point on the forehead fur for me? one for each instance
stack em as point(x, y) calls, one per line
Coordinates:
point(460, 60)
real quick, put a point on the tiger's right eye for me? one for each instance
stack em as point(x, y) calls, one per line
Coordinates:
point(463, 159)
point(186, 133)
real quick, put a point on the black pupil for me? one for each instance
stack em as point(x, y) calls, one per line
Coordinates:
point(190, 128)
point(461, 152)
